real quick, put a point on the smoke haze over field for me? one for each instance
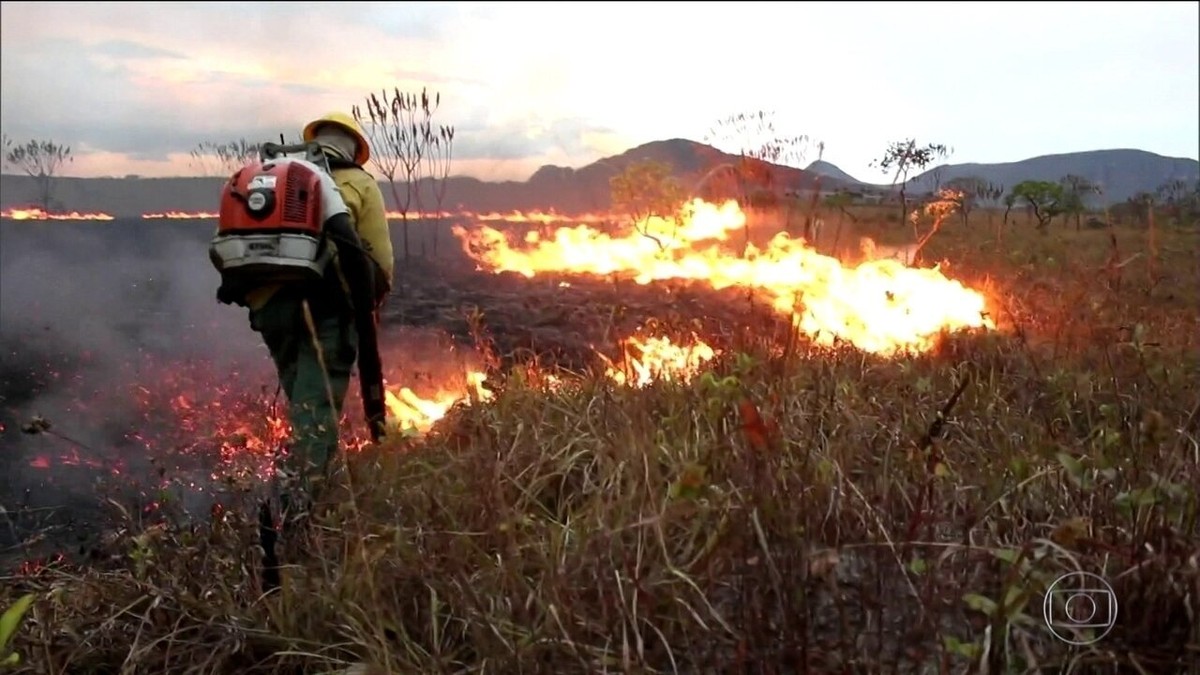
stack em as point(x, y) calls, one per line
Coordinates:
point(112, 289)
point(112, 332)
point(87, 314)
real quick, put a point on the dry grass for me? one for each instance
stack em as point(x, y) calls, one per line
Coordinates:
point(790, 512)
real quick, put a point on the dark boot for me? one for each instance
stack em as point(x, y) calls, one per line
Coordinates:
point(268, 535)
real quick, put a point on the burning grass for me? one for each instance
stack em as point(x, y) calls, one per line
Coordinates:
point(880, 306)
point(779, 506)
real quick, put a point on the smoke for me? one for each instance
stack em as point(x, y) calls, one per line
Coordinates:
point(88, 313)
point(98, 319)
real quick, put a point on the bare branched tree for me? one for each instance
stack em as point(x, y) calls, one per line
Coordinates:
point(759, 147)
point(1076, 191)
point(971, 191)
point(440, 145)
point(901, 158)
point(399, 127)
point(222, 159)
point(944, 203)
point(41, 160)
point(1179, 200)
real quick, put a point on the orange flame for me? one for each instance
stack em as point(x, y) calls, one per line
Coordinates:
point(880, 306)
point(179, 215)
point(422, 215)
point(410, 412)
point(658, 358)
point(526, 217)
point(36, 213)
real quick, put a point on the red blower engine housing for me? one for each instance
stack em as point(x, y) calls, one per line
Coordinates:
point(270, 227)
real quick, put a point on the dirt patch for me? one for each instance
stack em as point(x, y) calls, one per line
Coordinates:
point(564, 320)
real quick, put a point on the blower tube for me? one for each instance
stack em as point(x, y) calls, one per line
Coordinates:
point(357, 267)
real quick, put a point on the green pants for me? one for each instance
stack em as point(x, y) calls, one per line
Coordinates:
point(315, 394)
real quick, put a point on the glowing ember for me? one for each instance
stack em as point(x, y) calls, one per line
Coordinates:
point(650, 359)
point(35, 213)
point(239, 428)
point(228, 428)
point(184, 415)
point(411, 412)
point(880, 306)
point(202, 426)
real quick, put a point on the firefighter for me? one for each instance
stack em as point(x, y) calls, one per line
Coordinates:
point(347, 151)
point(316, 383)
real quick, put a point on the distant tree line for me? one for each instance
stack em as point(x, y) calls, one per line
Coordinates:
point(408, 147)
point(1067, 198)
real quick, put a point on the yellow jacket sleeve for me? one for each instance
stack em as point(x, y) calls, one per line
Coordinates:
point(365, 201)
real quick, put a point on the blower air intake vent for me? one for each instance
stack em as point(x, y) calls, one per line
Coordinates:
point(295, 197)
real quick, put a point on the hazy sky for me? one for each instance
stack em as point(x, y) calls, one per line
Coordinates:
point(134, 87)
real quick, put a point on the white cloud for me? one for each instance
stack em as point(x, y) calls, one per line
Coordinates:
point(528, 83)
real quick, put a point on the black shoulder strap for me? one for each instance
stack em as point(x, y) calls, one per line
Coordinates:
point(339, 163)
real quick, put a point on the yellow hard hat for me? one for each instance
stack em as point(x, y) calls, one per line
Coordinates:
point(346, 122)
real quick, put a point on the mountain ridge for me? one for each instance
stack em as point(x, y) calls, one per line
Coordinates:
point(1120, 172)
point(703, 169)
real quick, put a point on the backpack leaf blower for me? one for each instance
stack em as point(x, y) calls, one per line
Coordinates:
point(282, 221)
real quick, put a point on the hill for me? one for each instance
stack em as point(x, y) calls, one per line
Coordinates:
point(564, 189)
point(703, 169)
point(829, 170)
point(1122, 173)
